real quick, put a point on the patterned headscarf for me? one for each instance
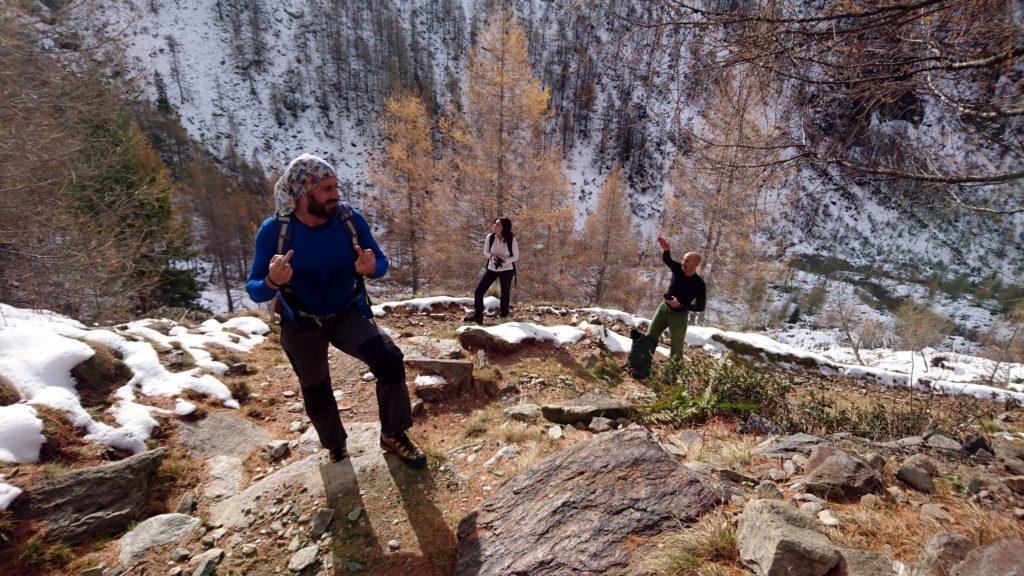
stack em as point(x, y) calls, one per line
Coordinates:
point(301, 176)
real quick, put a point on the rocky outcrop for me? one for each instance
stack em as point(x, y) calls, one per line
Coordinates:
point(581, 510)
point(581, 410)
point(835, 474)
point(91, 501)
point(775, 539)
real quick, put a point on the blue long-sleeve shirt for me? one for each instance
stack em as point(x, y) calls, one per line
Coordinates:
point(323, 265)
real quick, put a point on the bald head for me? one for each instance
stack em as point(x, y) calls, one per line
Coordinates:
point(690, 262)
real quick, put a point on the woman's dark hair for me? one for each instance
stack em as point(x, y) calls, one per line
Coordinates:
point(506, 231)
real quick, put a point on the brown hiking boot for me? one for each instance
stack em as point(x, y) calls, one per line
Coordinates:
point(401, 445)
point(337, 454)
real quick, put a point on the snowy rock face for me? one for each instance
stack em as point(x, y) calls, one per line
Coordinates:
point(318, 86)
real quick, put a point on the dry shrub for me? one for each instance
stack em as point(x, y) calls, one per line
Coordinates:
point(706, 548)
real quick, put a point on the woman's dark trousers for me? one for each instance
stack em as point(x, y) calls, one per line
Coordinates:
point(485, 283)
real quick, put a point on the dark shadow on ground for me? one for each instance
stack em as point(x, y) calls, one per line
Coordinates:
point(436, 539)
point(427, 544)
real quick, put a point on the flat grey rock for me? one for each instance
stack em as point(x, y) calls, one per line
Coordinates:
point(226, 474)
point(581, 410)
point(303, 559)
point(222, 434)
point(854, 562)
point(523, 412)
point(427, 347)
point(943, 551)
point(153, 532)
point(789, 446)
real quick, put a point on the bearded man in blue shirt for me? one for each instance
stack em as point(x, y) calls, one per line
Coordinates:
point(310, 258)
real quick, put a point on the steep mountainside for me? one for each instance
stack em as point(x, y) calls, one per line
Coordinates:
point(271, 79)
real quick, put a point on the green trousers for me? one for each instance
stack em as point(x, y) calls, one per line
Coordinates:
point(676, 322)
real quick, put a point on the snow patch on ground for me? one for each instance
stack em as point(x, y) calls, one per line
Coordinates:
point(516, 332)
point(429, 304)
point(38, 350)
point(430, 381)
point(7, 493)
point(20, 434)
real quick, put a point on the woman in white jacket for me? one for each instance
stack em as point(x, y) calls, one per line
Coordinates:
point(502, 251)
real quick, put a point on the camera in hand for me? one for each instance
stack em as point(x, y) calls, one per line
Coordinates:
point(499, 262)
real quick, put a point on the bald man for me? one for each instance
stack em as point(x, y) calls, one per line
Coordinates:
point(687, 293)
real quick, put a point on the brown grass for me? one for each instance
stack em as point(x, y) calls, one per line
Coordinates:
point(8, 393)
point(705, 548)
point(100, 375)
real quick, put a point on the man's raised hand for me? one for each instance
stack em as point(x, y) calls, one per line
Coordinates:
point(281, 269)
point(366, 262)
point(664, 244)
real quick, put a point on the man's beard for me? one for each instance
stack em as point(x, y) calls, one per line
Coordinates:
point(321, 209)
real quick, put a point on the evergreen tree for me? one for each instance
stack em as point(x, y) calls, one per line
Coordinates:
point(609, 250)
point(162, 102)
point(503, 163)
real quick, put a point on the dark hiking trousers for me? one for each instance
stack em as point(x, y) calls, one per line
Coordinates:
point(359, 337)
point(490, 276)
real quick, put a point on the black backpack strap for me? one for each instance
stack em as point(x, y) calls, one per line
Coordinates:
point(284, 233)
point(346, 214)
point(287, 293)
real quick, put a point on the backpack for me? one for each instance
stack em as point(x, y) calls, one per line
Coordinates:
point(284, 238)
point(490, 242)
point(641, 355)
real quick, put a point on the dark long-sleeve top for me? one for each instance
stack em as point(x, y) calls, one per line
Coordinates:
point(690, 290)
point(323, 265)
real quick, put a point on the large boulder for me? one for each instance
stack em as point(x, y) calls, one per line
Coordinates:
point(835, 474)
point(776, 539)
point(1003, 558)
point(91, 501)
point(581, 510)
point(156, 531)
point(222, 434)
point(581, 410)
